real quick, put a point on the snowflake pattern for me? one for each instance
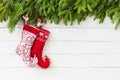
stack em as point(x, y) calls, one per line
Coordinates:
point(24, 48)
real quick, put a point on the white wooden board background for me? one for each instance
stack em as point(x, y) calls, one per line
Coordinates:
point(89, 51)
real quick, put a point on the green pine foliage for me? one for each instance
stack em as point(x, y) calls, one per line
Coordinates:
point(56, 10)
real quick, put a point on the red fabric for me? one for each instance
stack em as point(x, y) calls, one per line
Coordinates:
point(38, 46)
point(30, 29)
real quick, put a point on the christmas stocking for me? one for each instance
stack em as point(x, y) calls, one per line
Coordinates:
point(37, 48)
point(28, 36)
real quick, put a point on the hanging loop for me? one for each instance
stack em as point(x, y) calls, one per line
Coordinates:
point(39, 22)
point(26, 18)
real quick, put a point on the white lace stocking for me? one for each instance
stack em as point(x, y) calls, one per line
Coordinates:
point(24, 48)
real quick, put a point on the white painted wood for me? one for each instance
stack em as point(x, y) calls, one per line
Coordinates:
point(68, 47)
point(60, 74)
point(88, 23)
point(89, 51)
point(79, 34)
point(67, 61)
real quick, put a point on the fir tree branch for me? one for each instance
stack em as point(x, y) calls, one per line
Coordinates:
point(56, 10)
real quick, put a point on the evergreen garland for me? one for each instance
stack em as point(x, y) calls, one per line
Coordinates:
point(55, 10)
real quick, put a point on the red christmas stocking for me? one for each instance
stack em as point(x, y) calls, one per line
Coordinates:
point(38, 46)
point(28, 36)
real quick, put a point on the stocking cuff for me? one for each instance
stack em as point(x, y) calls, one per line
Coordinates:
point(43, 34)
point(30, 29)
point(43, 30)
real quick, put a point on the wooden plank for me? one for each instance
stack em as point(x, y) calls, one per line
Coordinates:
point(80, 34)
point(67, 61)
point(68, 47)
point(88, 23)
point(60, 74)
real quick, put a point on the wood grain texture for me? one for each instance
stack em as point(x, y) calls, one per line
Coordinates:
point(68, 47)
point(89, 51)
point(88, 23)
point(60, 74)
point(67, 61)
point(69, 34)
